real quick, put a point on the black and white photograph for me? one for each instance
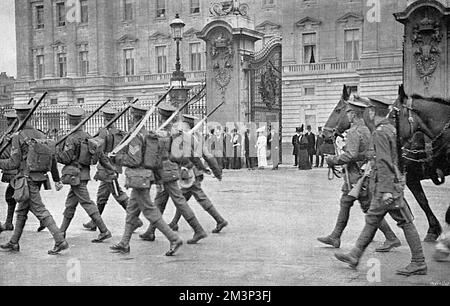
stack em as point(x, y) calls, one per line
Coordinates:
point(225, 148)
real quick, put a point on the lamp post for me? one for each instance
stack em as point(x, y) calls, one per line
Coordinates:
point(179, 93)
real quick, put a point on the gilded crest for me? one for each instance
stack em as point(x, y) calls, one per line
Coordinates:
point(222, 56)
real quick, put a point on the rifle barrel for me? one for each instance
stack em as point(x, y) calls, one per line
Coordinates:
point(116, 117)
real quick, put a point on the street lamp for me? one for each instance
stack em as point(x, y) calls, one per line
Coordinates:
point(177, 26)
point(179, 93)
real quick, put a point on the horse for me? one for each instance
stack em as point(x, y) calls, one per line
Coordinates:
point(338, 123)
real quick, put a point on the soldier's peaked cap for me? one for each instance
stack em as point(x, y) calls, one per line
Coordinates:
point(10, 115)
point(166, 109)
point(189, 119)
point(139, 109)
point(380, 102)
point(109, 111)
point(356, 106)
point(75, 112)
point(23, 107)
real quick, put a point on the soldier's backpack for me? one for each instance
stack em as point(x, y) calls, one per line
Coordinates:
point(40, 154)
point(90, 150)
point(132, 156)
point(153, 152)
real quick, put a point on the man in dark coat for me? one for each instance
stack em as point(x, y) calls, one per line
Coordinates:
point(311, 144)
point(295, 143)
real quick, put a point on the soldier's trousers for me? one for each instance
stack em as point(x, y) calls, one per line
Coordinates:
point(173, 191)
point(37, 207)
point(199, 195)
point(140, 201)
point(9, 193)
point(79, 195)
point(447, 216)
point(378, 210)
point(105, 190)
point(347, 203)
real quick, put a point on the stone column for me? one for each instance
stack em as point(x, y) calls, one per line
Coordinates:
point(49, 57)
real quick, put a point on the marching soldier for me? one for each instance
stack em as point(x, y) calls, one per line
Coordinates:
point(386, 186)
point(168, 177)
point(7, 176)
point(77, 160)
point(197, 168)
point(140, 181)
point(357, 145)
point(31, 177)
point(109, 184)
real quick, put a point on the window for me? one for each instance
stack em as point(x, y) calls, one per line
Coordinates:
point(195, 6)
point(310, 91)
point(39, 67)
point(129, 61)
point(268, 2)
point(195, 56)
point(53, 101)
point(80, 100)
point(39, 17)
point(128, 9)
point(352, 39)
point(84, 63)
point(60, 14)
point(62, 65)
point(161, 59)
point(161, 8)
point(309, 48)
point(130, 100)
point(353, 89)
point(84, 11)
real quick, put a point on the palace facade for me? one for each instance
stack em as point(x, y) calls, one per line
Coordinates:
point(123, 49)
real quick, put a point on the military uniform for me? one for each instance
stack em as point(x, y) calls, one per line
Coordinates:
point(109, 184)
point(68, 154)
point(140, 200)
point(7, 176)
point(354, 156)
point(18, 161)
point(387, 197)
point(198, 171)
point(170, 188)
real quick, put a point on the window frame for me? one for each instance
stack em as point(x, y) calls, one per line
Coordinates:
point(39, 7)
point(60, 16)
point(62, 65)
point(86, 6)
point(164, 8)
point(352, 55)
point(304, 46)
point(196, 65)
point(129, 62)
point(165, 66)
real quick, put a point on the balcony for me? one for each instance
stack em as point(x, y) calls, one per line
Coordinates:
point(305, 69)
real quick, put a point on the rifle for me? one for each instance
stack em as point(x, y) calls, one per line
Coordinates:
point(116, 117)
point(24, 122)
point(198, 125)
point(138, 126)
point(178, 111)
point(82, 123)
point(355, 192)
point(11, 128)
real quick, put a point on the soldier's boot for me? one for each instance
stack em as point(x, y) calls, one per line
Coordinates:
point(175, 241)
point(149, 235)
point(391, 239)
point(40, 228)
point(363, 241)
point(174, 223)
point(9, 217)
point(2, 227)
point(123, 247)
point(335, 238)
point(221, 222)
point(90, 226)
point(65, 225)
point(199, 232)
point(60, 242)
point(418, 265)
point(13, 244)
point(352, 258)
point(104, 232)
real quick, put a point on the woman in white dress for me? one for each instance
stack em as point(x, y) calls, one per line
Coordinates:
point(261, 145)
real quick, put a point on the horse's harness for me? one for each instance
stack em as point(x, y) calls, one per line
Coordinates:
point(429, 148)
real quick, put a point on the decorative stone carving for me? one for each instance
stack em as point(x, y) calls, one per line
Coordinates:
point(269, 87)
point(222, 57)
point(223, 8)
point(426, 38)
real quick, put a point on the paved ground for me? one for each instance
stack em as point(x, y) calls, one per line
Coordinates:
point(275, 217)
